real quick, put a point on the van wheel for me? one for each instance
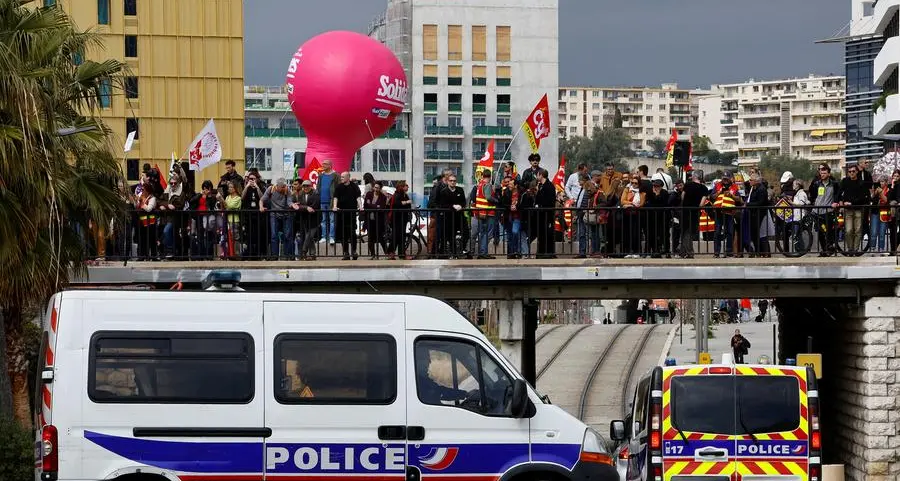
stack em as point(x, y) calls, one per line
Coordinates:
point(539, 476)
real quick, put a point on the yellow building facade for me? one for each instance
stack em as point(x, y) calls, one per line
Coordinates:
point(186, 62)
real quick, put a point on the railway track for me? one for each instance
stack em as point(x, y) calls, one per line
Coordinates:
point(587, 388)
point(560, 350)
point(547, 331)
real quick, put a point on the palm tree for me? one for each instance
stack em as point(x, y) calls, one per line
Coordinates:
point(57, 170)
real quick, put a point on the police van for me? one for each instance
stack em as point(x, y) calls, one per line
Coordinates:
point(723, 423)
point(241, 386)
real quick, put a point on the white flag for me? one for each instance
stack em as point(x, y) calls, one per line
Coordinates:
point(205, 149)
point(129, 141)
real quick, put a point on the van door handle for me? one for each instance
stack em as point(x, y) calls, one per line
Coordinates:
point(392, 433)
point(415, 433)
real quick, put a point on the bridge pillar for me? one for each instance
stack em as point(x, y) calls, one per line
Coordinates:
point(510, 320)
point(866, 391)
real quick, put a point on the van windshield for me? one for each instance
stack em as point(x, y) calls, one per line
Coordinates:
point(735, 404)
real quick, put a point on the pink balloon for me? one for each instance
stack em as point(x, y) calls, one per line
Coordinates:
point(345, 89)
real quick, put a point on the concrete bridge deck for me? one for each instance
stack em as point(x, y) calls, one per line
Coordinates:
point(542, 279)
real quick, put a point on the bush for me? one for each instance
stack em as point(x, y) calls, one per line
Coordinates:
point(16, 452)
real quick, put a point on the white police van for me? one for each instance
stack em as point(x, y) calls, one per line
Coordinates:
point(240, 386)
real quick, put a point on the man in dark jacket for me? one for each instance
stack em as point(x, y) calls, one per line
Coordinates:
point(451, 218)
point(739, 346)
point(307, 206)
point(530, 174)
point(230, 176)
point(757, 200)
point(854, 195)
point(545, 200)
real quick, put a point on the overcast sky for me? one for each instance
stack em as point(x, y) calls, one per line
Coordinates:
point(606, 42)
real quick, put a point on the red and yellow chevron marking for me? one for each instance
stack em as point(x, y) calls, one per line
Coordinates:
point(773, 468)
point(688, 468)
point(50, 358)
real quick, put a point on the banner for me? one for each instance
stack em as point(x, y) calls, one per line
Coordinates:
point(537, 124)
point(486, 162)
point(670, 149)
point(205, 149)
point(311, 172)
point(559, 180)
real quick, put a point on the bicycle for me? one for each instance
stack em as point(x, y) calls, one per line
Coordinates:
point(802, 234)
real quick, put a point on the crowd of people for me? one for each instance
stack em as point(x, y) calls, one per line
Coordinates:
point(606, 213)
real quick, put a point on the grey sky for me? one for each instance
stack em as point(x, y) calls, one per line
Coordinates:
point(606, 42)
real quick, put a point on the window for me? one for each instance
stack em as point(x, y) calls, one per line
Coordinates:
point(389, 160)
point(103, 12)
point(133, 170)
point(573, 130)
point(430, 120)
point(131, 50)
point(105, 94)
point(503, 76)
point(454, 120)
point(259, 158)
point(431, 146)
point(648, 118)
point(256, 123)
point(454, 42)
point(429, 74)
point(131, 87)
point(288, 122)
point(49, 3)
point(131, 7)
point(170, 367)
point(429, 42)
point(503, 44)
point(573, 117)
point(454, 75)
point(479, 43)
point(335, 369)
point(596, 93)
point(459, 374)
point(356, 165)
point(502, 121)
point(479, 75)
point(478, 121)
point(132, 125)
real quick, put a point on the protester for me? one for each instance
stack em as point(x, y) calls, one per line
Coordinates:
point(345, 204)
point(306, 203)
point(399, 217)
point(739, 346)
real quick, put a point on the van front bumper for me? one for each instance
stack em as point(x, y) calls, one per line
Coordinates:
point(594, 472)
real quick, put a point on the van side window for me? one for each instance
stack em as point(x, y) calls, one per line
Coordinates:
point(335, 369)
point(461, 374)
point(171, 367)
point(640, 402)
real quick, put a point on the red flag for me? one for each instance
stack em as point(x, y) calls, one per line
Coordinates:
point(537, 124)
point(162, 178)
point(559, 180)
point(311, 173)
point(690, 165)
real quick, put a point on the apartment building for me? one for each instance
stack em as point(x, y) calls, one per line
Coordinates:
point(476, 69)
point(647, 113)
point(276, 144)
point(886, 123)
point(187, 66)
point(801, 117)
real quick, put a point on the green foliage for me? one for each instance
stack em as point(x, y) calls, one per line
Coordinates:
point(16, 452)
point(617, 119)
point(772, 166)
point(658, 145)
point(605, 145)
point(700, 145)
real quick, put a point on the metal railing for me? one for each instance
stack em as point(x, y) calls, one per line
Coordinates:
point(603, 232)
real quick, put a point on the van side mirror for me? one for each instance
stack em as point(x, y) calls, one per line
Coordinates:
point(617, 430)
point(519, 398)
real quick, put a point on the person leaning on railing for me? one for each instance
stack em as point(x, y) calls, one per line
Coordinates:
point(632, 200)
point(852, 201)
point(307, 205)
point(399, 218)
point(824, 192)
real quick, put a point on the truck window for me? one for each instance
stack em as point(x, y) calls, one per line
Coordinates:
point(461, 374)
point(335, 369)
point(171, 367)
point(708, 404)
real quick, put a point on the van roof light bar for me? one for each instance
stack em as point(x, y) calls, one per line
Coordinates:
point(222, 280)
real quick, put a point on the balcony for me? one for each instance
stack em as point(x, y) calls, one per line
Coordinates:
point(454, 107)
point(883, 12)
point(444, 155)
point(431, 106)
point(444, 131)
point(504, 82)
point(888, 116)
point(266, 133)
point(492, 131)
point(503, 108)
point(394, 134)
point(429, 80)
point(887, 60)
point(479, 107)
point(726, 121)
point(682, 124)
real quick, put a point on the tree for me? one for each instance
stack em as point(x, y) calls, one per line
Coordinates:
point(605, 145)
point(617, 119)
point(55, 182)
point(658, 145)
point(773, 166)
point(699, 144)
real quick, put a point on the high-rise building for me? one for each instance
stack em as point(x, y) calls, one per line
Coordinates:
point(886, 20)
point(647, 113)
point(276, 144)
point(800, 117)
point(187, 66)
point(476, 69)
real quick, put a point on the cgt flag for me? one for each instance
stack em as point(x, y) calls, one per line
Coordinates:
point(559, 180)
point(670, 149)
point(311, 172)
point(537, 124)
point(486, 162)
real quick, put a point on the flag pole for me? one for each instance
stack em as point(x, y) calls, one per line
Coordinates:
point(502, 157)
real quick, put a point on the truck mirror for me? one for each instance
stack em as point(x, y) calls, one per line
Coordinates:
point(519, 398)
point(617, 430)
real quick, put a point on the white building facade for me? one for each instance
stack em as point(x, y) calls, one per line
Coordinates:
point(275, 144)
point(886, 17)
point(647, 113)
point(476, 69)
point(802, 117)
